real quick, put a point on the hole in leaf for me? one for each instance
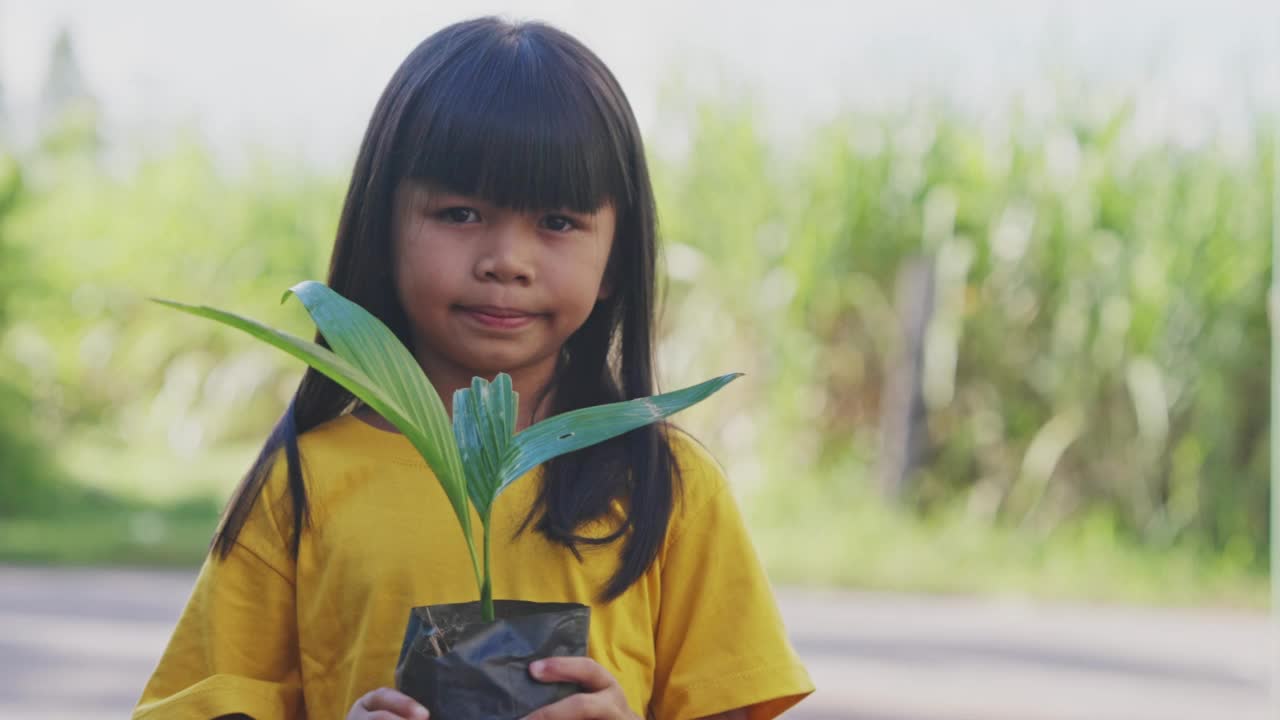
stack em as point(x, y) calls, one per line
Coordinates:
point(566, 436)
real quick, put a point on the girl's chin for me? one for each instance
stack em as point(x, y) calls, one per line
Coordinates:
point(518, 366)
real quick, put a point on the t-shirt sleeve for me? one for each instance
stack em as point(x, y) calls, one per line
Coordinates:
point(235, 648)
point(720, 641)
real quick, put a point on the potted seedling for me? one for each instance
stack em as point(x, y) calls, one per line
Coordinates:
point(469, 659)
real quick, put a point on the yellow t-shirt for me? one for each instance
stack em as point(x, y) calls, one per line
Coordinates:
point(276, 637)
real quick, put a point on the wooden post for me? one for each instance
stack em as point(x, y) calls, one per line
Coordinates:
point(903, 431)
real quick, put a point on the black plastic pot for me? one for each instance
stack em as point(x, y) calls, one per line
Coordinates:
point(462, 668)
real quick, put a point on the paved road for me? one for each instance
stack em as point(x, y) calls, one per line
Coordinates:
point(80, 644)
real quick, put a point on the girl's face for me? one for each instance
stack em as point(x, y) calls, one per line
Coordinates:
point(488, 289)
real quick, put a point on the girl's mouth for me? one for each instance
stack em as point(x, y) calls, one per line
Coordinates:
point(497, 317)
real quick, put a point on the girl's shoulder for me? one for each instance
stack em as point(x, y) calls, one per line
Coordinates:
point(341, 452)
point(348, 439)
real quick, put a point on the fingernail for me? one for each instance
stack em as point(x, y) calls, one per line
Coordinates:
point(537, 667)
point(421, 712)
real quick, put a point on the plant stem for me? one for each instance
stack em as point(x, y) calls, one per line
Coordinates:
point(486, 587)
point(475, 562)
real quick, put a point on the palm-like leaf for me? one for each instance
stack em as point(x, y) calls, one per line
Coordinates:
point(577, 429)
point(484, 418)
point(361, 339)
point(317, 356)
point(371, 362)
point(484, 421)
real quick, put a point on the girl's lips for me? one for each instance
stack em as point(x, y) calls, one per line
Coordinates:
point(498, 318)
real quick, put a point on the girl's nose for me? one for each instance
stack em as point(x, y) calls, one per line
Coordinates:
point(507, 258)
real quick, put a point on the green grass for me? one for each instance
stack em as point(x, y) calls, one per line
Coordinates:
point(867, 547)
point(152, 472)
point(105, 531)
point(123, 505)
point(863, 544)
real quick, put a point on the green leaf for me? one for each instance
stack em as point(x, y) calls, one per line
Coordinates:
point(317, 356)
point(371, 362)
point(582, 428)
point(484, 421)
point(362, 340)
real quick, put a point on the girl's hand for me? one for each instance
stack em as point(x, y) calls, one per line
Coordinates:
point(602, 699)
point(387, 704)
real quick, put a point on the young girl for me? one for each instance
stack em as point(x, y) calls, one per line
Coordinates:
point(500, 219)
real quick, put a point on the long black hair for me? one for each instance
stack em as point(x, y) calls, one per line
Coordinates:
point(528, 118)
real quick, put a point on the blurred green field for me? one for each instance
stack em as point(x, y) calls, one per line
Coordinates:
point(1094, 377)
point(104, 532)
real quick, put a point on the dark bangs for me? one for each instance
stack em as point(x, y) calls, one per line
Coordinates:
point(519, 119)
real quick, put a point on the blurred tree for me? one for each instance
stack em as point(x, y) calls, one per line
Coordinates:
point(70, 115)
point(10, 190)
point(28, 480)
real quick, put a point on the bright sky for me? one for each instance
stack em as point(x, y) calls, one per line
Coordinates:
point(301, 76)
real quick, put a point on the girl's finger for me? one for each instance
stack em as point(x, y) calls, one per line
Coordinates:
point(393, 701)
point(383, 715)
point(583, 706)
point(581, 670)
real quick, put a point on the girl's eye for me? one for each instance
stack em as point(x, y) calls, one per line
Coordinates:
point(558, 223)
point(458, 215)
